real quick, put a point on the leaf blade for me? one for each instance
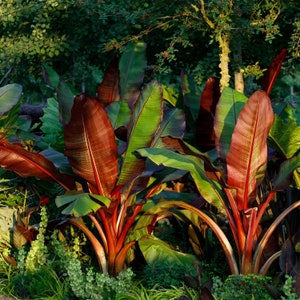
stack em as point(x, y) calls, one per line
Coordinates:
point(227, 111)
point(13, 157)
point(144, 124)
point(91, 146)
point(248, 148)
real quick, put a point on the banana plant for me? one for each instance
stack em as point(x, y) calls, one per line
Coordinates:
point(109, 184)
point(231, 182)
point(234, 131)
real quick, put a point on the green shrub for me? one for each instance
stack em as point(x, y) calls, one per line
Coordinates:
point(288, 289)
point(90, 284)
point(165, 274)
point(246, 287)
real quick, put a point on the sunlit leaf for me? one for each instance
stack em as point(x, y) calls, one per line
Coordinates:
point(156, 250)
point(284, 136)
point(227, 111)
point(79, 205)
point(248, 148)
point(210, 190)
point(145, 121)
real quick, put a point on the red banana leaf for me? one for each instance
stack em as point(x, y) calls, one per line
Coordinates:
point(205, 122)
point(13, 157)
point(268, 80)
point(248, 149)
point(90, 145)
point(109, 89)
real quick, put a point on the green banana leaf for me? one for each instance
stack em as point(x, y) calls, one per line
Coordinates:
point(65, 97)
point(65, 93)
point(284, 136)
point(171, 95)
point(50, 76)
point(286, 172)
point(119, 113)
point(209, 189)
point(172, 125)
point(81, 204)
point(9, 96)
point(191, 94)
point(132, 67)
point(145, 121)
point(227, 111)
point(156, 250)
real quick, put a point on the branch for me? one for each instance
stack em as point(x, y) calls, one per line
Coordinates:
point(205, 17)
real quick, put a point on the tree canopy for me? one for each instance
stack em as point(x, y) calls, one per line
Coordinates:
point(78, 38)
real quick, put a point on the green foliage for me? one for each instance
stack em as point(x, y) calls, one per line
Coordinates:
point(177, 35)
point(235, 287)
point(44, 270)
point(42, 283)
point(90, 284)
point(51, 127)
point(160, 274)
point(288, 289)
point(37, 255)
point(140, 292)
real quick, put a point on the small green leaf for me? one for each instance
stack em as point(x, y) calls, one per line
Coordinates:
point(79, 205)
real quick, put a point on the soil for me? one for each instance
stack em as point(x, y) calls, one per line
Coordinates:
point(6, 298)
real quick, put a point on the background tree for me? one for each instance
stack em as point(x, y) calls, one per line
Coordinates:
point(78, 38)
